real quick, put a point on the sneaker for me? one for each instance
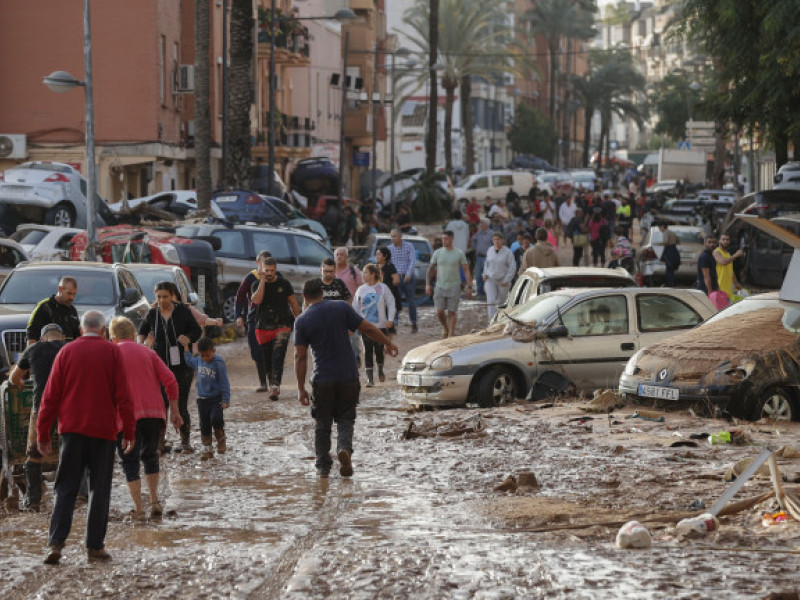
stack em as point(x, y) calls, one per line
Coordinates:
point(345, 465)
point(53, 554)
point(414, 328)
point(99, 554)
point(155, 509)
point(274, 393)
point(208, 452)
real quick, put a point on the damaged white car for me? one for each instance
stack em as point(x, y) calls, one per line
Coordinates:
point(569, 340)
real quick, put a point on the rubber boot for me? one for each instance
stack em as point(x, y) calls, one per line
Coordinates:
point(370, 381)
point(381, 376)
point(33, 479)
point(208, 450)
point(222, 444)
point(186, 448)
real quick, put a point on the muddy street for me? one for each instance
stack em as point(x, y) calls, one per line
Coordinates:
point(421, 517)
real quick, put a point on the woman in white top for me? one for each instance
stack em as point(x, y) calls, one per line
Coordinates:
point(374, 301)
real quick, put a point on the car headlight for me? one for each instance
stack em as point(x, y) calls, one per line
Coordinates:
point(744, 369)
point(170, 253)
point(441, 363)
point(631, 368)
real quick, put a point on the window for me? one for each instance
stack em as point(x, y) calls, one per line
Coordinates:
point(162, 69)
point(606, 315)
point(276, 243)
point(231, 243)
point(479, 183)
point(309, 252)
point(659, 312)
point(502, 181)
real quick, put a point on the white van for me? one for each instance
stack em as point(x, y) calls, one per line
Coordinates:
point(494, 184)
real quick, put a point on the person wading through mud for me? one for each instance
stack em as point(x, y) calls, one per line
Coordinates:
point(449, 262)
point(165, 329)
point(325, 327)
point(37, 361)
point(245, 312)
point(89, 395)
point(275, 313)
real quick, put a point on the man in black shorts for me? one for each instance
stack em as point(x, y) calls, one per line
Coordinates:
point(36, 361)
point(326, 327)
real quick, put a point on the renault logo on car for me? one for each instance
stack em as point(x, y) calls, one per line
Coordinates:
point(662, 375)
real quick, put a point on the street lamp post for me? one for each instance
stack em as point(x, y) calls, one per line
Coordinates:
point(61, 82)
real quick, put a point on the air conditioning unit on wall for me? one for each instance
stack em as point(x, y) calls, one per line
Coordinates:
point(13, 146)
point(185, 79)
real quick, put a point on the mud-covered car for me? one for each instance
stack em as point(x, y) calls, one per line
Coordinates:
point(557, 342)
point(743, 361)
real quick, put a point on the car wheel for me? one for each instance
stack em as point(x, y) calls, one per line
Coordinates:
point(776, 403)
point(496, 386)
point(229, 306)
point(60, 215)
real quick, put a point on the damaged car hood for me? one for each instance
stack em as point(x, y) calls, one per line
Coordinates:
point(426, 353)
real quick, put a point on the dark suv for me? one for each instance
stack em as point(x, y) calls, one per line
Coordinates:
point(110, 288)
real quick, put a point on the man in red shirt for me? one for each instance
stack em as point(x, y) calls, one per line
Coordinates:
point(87, 392)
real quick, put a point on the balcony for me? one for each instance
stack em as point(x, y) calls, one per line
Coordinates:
point(293, 137)
point(292, 42)
point(358, 124)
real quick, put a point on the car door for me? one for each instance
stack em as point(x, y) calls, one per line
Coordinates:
point(185, 288)
point(597, 348)
point(235, 257)
point(310, 254)
point(136, 311)
point(280, 246)
point(765, 262)
point(660, 315)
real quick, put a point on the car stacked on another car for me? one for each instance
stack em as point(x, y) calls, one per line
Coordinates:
point(11, 254)
point(110, 288)
point(45, 242)
point(556, 342)
point(743, 361)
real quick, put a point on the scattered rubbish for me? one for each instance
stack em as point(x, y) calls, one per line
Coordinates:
point(527, 479)
point(788, 452)
point(740, 481)
point(723, 437)
point(603, 401)
point(633, 535)
point(647, 415)
point(697, 505)
point(581, 420)
point(619, 450)
point(546, 405)
point(457, 429)
point(768, 519)
point(509, 485)
point(683, 443)
point(699, 436)
point(737, 469)
point(697, 526)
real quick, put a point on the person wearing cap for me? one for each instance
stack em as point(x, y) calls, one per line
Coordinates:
point(36, 361)
point(58, 309)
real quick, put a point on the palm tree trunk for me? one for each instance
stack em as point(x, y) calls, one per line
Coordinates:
point(433, 101)
point(553, 73)
point(450, 98)
point(241, 88)
point(720, 135)
point(202, 113)
point(587, 132)
point(466, 123)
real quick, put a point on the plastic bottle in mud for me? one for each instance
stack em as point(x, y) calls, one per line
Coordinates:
point(697, 526)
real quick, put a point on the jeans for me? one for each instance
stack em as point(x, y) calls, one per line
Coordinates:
point(77, 453)
point(145, 449)
point(209, 410)
point(408, 290)
point(273, 354)
point(333, 401)
point(370, 346)
point(480, 263)
point(184, 375)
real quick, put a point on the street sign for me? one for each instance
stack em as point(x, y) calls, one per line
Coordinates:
point(360, 159)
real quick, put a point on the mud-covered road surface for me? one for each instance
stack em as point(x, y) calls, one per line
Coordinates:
point(421, 517)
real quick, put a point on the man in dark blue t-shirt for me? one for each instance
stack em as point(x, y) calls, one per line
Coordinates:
point(707, 268)
point(326, 327)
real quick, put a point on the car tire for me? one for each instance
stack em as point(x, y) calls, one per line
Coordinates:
point(61, 215)
point(776, 403)
point(496, 386)
point(229, 306)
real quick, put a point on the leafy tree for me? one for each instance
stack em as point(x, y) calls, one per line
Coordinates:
point(675, 99)
point(532, 132)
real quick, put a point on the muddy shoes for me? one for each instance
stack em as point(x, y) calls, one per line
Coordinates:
point(208, 450)
point(345, 464)
point(222, 443)
point(381, 375)
point(186, 448)
point(97, 555)
point(274, 393)
point(155, 509)
point(53, 554)
point(370, 380)
point(33, 479)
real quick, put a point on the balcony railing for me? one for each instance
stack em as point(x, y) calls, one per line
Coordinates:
point(292, 131)
point(290, 35)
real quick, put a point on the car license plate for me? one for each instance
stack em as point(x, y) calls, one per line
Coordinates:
point(410, 380)
point(656, 391)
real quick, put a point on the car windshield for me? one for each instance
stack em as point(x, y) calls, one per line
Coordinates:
point(29, 286)
point(790, 319)
point(29, 236)
point(689, 237)
point(148, 278)
point(465, 182)
point(553, 284)
point(539, 309)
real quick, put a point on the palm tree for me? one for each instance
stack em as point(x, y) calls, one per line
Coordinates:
point(474, 29)
point(433, 100)
point(202, 113)
point(557, 20)
point(240, 91)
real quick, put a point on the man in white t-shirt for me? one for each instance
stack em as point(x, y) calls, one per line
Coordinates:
point(460, 230)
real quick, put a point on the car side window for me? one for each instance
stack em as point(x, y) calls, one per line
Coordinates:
point(309, 252)
point(518, 292)
point(276, 243)
point(502, 181)
point(231, 243)
point(660, 312)
point(479, 183)
point(607, 315)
